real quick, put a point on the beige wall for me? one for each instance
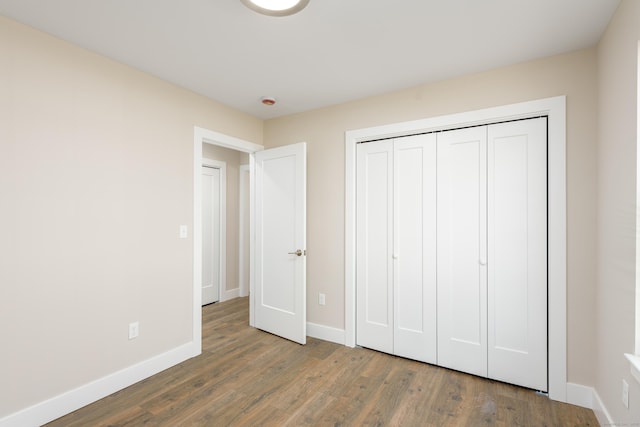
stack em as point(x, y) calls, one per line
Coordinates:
point(233, 159)
point(573, 75)
point(617, 141)
point(96, 176)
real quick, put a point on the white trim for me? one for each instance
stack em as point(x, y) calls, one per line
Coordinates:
point(230, 294)
point(555, 109)
point(72, 400)
point(222, 274)
point(580, 395)
point(205, 136)
point(252, 238)
point(226, 141)
point(600, 411)
point(326, 333)
point(637, 209)
point(588, 397)
point(244, 169)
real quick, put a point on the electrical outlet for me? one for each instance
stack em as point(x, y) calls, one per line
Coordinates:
point(322, 299)
point(625, 394)
point(134, 330)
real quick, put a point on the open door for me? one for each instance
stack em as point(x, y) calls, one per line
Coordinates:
point(280, 251)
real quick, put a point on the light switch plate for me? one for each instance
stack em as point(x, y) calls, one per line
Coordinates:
point(134, 330)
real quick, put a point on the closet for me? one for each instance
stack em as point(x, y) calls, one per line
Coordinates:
point(451, 243)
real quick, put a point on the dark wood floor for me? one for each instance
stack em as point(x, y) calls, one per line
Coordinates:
point(246, 377)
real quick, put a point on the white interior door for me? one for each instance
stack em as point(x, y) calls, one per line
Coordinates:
point(517, 239)
point(414, 284)
point(461, 246)
point(374, 245)
point(211, 241)
point(280, 253)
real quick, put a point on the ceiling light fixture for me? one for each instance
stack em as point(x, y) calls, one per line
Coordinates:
point(276, 7)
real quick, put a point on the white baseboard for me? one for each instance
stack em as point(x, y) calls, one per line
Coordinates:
point(601, 411)
point(326, 333)
point(72, 400)
point(588, 397)
point(580, 395)
point(230, 294)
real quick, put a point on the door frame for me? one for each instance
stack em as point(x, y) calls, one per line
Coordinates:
point(242, 233)
point(204, 136)
point(222, 274)
point(555, 109)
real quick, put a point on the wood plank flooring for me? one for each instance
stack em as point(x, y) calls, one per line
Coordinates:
point(246, 377)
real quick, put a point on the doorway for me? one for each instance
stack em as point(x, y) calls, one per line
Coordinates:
point(270, 188)
point(230, 163)
point(206, 138)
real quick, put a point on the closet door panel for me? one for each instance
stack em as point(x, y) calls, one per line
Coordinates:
point(415, 248)
point(517, 262)
point(374, 245)
point(461, 248)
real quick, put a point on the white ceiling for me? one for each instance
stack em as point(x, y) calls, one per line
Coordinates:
point(333, 51)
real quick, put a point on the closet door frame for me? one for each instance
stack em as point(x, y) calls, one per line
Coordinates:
point(555, 109)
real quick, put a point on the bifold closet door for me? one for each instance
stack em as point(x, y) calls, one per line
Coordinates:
point(414, 308)
point(374, 245)
point(492, 251)
point(517, 253)
point(461, 246)
point(395, 244)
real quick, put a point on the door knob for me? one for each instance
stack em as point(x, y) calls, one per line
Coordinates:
point(297, 253)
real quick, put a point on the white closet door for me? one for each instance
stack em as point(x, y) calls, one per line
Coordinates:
point(374, 244)
point(517, 269)
point(461, 246)
point(211, 240)
point(415, 248)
